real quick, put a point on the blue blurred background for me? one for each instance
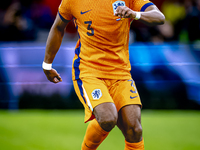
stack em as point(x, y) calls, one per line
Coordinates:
point(165, 59)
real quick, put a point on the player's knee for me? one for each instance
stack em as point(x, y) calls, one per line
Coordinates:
point(134, 133)
point(108, 121)
point(138, 130)
point(108, 124)
point(106, 115)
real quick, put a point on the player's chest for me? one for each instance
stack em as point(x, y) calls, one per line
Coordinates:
point(97, 10)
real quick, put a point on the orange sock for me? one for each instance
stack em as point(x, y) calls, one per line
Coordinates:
point(134, 146)
point(94, 136)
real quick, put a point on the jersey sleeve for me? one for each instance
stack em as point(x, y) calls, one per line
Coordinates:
point(140, 5)
point(64, 10)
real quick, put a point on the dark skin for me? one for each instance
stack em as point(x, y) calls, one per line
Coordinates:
point(128, 119)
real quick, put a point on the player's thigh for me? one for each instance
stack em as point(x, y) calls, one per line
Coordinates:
point(129, 122)
point(92, 92)
point(129, 116)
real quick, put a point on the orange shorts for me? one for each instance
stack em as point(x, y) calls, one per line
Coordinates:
point(94, 91)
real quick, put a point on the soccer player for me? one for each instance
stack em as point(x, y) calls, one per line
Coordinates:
point(101, 67)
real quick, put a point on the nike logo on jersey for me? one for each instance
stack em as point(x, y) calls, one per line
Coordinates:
point(83, 12)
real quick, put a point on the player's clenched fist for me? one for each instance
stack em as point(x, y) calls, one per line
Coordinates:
point(52, 75)
point(125, 12)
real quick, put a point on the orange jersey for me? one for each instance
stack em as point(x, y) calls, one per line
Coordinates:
point(102, 48)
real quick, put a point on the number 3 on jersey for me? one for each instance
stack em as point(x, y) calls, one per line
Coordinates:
point(91, 33)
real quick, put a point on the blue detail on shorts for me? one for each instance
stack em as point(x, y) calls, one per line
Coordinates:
point(77, 70)
point(133, 97)
point(133, 91)
point(146, 5)
point(62, 18)
point(80, 83)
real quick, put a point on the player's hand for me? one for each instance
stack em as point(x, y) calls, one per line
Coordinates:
point(52, 75)
point(125, 12)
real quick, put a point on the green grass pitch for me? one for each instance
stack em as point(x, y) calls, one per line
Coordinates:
point(64, 130)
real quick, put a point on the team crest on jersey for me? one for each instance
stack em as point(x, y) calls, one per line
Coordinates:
point(96, 94)
point(116, 4)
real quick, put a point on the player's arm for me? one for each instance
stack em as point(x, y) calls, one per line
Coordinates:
point(151, 16)
point(53, 43)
